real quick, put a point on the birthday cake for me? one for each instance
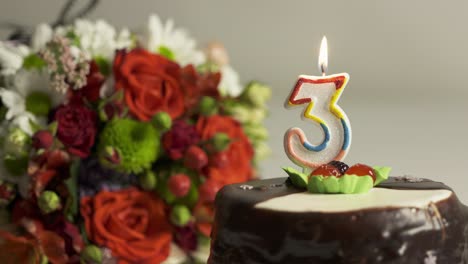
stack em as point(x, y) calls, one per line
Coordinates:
point(331, 213)
point(402, 220)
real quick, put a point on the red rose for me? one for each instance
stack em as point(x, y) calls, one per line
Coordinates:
point(239, 154)
point(150, 83)
point(131, 223)
point(76, 128)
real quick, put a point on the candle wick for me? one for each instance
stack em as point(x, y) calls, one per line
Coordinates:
point(322, 68)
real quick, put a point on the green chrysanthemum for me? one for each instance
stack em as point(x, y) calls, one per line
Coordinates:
point(129, 146)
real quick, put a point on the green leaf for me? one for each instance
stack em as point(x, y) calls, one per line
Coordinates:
point(381, 174)
point(33, 61)
point(103, 64)
point(53, 127)
point(34, 126)
point(71, 206)
point(75, 39)
point(298, 179)
point(83, 233)
point(16, 165)
point(3, 111)
point(117, 96)
point(166, 52)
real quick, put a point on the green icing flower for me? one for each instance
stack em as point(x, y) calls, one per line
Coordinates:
point(128, 145)
point(344, 184)
point(348, 184)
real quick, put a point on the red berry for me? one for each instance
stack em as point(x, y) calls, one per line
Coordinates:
point(219, 160)
point(57, 158)
point(195, 158)
point(326, 170)
point(42, 139)
point(208, 190)
point(361, 170)
point(179, 185)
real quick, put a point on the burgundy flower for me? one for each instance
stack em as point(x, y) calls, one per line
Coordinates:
point(196, 85)
point(177, 140)
point(186, 237)
point(76, 128)
point(94, 81)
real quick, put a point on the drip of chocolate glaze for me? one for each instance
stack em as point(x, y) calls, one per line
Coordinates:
point(245, 234)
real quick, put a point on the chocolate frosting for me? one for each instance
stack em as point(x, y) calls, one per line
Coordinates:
point(245, 234)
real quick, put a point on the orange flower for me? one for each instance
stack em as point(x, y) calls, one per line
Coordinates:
point(237, 164)
point(30, 247)
point(131, 223)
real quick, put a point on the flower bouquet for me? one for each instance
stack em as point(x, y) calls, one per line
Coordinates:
point(114, 143)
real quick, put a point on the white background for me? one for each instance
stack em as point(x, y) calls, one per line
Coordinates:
point(408, 62)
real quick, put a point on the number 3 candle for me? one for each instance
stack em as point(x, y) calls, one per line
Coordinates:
point(319, 95)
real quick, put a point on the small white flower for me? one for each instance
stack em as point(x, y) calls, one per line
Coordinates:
point(17, 113)
point(24, 84)
point(163, 35)
point(230, 82)
point(42, 34)
point(11, 57)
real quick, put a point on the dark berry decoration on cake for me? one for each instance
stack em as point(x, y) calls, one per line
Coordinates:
point(361, 170)
point(326, 170)
point(343, 167)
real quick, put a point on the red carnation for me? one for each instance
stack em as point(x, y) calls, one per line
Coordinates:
point(76, 128)
point(177, 140)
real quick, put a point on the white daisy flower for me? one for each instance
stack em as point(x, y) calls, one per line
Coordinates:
point(164, 38)
point(11, 57)
point(26, 86)
point(230, 82)
point(42, 34)
point(99, 38)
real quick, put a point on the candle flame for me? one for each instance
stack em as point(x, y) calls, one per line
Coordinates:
point(323, 56)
